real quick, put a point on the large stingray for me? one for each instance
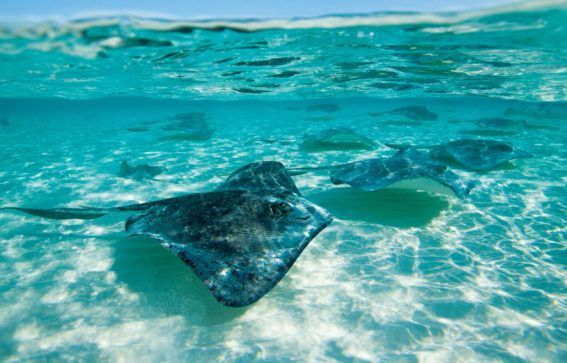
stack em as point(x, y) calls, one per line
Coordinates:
point(240, 240)
point(341, 138)
point(478, 155)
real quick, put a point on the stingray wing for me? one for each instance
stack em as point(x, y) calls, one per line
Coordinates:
point(239, 243)
point(367, 175)
point(262, 175)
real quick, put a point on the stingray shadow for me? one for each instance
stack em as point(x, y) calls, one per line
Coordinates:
point(166, 284)
point(400, 208)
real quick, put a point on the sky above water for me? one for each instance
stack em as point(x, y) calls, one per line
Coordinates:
point(226, 8)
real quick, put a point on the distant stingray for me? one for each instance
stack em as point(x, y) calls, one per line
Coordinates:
point(479, 155)
point(240, 240)
point(500, 123)
point(4, 123)
point(138, 129)
point(336, 139)
point(493, 126)
point(545, 110)
point(416, 113)
point(193, 125)
point(139, 172)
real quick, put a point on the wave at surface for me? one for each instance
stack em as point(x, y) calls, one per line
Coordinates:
point(514, 52)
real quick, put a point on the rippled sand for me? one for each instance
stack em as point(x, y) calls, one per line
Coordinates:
point(398, 276)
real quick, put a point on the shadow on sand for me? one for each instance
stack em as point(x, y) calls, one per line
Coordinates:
point(166, 284)
point(392, 207)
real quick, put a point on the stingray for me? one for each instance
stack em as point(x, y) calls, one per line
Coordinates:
point(139, 172)
point(4, 123)
point(478, 155)
point(138, 129)
point(545, 110)
point(407, 169)
point(416, 113)
point(240, 239)
point(193, 125)
point(500, 123)
point(336, 139)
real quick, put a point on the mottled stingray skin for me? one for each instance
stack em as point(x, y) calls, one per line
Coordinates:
point(240, 240)
point(265, 175)
point(379, 173)
point(480, 155)
point(239, 243)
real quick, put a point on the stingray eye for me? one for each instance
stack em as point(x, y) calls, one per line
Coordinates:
point(280, 209)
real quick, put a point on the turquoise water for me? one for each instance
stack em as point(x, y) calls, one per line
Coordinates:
point(400, 275)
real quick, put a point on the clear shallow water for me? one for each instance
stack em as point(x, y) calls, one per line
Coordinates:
point(398, 276)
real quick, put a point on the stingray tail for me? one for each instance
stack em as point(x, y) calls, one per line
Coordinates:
point(467, 190)
point(79, 213)
point(64, 213)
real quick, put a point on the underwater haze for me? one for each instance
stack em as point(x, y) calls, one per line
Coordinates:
point(400, 275)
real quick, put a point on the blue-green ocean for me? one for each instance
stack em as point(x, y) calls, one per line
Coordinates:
point(400, 275)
